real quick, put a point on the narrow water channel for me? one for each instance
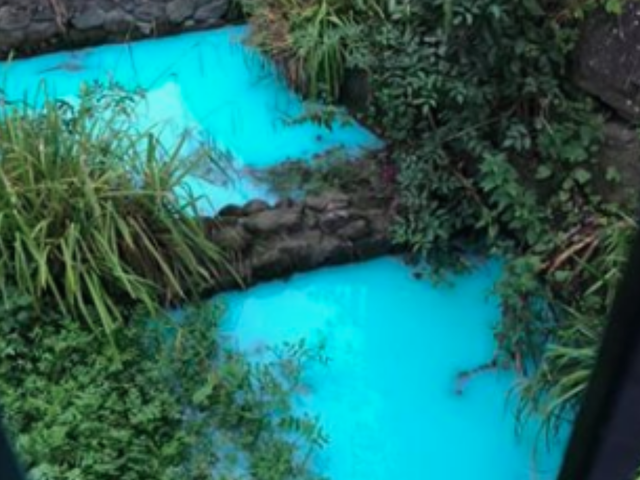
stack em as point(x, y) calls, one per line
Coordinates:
point(387, 398)
point(207, 84)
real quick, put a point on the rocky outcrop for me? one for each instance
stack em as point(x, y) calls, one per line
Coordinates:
point(608, 60)
point(607, 66)
point(266, 243)
point(618, 163)
point(34, 26)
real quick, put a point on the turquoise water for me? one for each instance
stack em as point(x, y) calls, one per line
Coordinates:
point(208, 84)
point(387, 397)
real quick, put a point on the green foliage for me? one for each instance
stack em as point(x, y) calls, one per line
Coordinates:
point(310, 39)
point(177, 405)
point(555, 390)
point(473, 109)
point(89, 211)
point(581, 8)
point(333, 171)
point(495, 150)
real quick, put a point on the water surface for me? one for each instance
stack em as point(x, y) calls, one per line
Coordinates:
point(387, 398)
point(208, 84)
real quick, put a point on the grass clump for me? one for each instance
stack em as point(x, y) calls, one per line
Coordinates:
point(310, 40)
point(555, 391)
point(89, 214)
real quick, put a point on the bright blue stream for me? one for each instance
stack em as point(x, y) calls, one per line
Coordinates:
point(387, 398)
point(388, 395)
point(208, 84)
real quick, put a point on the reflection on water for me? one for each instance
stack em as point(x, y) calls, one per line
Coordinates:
point(388, 395)
point(207, 83)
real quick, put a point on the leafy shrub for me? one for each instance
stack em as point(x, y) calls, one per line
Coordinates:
point(176, 405)
point(473, 106)
point(89, 214)
point(495, 149)
point(555, 390)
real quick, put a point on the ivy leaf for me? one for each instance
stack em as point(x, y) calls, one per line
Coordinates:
point(613, 6)
point(613, 175)
point(533, 7)
point(582, 176)
point(561, 276)
point(543, 172)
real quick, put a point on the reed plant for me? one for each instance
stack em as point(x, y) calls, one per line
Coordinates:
point(89, 211)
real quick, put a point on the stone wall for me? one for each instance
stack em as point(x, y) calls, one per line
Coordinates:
point(607, 66)
point(266, 243)
point(35, 26)
point(608, 60)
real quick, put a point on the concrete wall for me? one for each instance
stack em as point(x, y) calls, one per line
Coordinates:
point(34, 26)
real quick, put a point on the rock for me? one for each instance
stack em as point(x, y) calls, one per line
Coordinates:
point(231, 211)
point(13, 18)
point(212, 12)
point(287, 255)
point(118, 21)
point(334, 251)
point(13, 39)
point(334, 220)
point(619, 135)
point(225, 222)
point(255, 206)
point(88, 22)
point(270, 263)
point(327, 201)
point(379, 220)
point(273, 221)
point(89, 19)
point(43, 13)
point(232, 239)
point(620, 151)
point(128, 6)
point(278, 242)
point(39, 31)
point(150, 12)
point(354, 230)
point(179, 10)
point(285, 203)
point(374, 246)
point(302, 251)
point(310, 220)
point(606, 62)
point(146, 28)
